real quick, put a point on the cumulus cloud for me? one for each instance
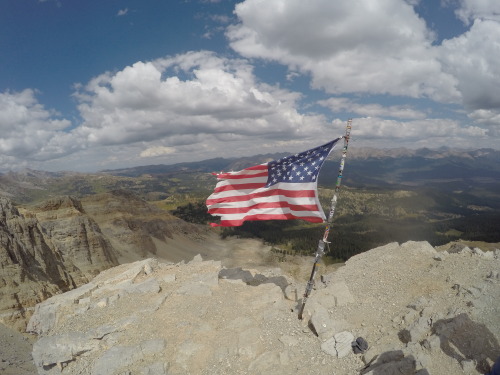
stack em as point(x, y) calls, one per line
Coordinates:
point(469, 10)
point(178, 99)
point(416, 133)
point(473, 59)
point(381, 47)
point(372, 110)
point(156, 151)
point(417, 129)
point(122, 12)
point(27, 129)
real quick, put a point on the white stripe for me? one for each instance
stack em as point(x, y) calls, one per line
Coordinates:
point(283, 186)
point(224, 182)
point(274, 198)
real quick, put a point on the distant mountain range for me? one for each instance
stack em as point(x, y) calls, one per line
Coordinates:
point(442, 168)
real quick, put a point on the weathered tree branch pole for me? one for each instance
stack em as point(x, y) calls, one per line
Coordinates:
point(321, 245)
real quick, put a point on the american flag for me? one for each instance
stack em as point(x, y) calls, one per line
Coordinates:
point(283, 189)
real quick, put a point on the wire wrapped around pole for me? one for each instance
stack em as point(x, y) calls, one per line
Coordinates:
point(333, 204)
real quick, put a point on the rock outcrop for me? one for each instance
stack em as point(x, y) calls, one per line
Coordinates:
point(419, 315)
point(30, 268)
point(62, 243)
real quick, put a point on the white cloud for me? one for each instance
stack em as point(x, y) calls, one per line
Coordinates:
point(372, 110)
point(432, 133)
point(469, 10)
point(177, 99)
point(156, 151)
point(370, 47)
point(122, 12)
point(27, 129)
point(473, 58)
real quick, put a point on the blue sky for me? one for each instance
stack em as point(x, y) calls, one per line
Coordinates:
point(92, 85)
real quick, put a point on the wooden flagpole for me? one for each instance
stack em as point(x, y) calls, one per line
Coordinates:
point(321, 245)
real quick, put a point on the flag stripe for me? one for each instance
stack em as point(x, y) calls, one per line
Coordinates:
point(262, 206)
point(238, 222)
point(251, 186)
point(267, 193)
point(229, 176)
point(289, 187)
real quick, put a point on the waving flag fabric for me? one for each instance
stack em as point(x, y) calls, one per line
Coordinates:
point(283, 189)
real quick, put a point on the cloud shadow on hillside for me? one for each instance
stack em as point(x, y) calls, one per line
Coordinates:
point(250, 279)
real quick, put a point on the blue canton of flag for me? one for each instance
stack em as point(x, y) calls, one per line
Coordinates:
point(303, 167)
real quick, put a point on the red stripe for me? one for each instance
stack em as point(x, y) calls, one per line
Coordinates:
point(240, 210)
point(255, 185)
point(228, 176)
point(235, 223)
point(266, 193)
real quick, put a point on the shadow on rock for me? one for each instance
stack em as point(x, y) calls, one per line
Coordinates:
point(253, 280)
point(463, 339)
point(393, 363)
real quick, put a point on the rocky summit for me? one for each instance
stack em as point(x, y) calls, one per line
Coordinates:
point(421, 311)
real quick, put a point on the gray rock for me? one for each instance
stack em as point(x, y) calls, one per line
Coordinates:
point(322, 323)
point(60, 349)
point(423, 247)
point(489, 255)
point(343, 341)
point(419, 329)
point(477, 251)
point(432, 343)
point(194, 289)
point(196, 259)
point(153, 346)
point(47, 313)
point(456, 248)
point(116, 358)
point(465, 250)
point(329, 347)
point(120, 357)
point(468, 366)
point(157, 368)
point(148, 286)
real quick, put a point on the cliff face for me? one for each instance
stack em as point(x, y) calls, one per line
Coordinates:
point(30, 268)
point(50, 249)
point(63, 243)
point(75, 236)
